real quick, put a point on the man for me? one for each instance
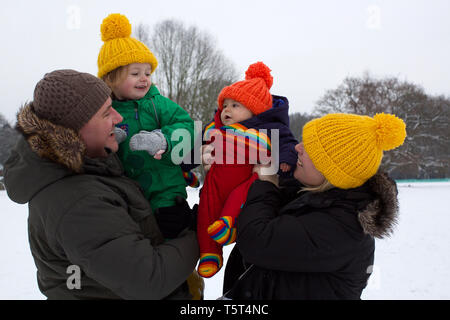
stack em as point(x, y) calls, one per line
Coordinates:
point(91, 231)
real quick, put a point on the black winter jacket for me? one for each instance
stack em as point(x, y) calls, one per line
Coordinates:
point(85, 213)
point(317, 246)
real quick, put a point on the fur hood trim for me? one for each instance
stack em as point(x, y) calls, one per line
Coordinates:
point(57, 143)
point(380, 217)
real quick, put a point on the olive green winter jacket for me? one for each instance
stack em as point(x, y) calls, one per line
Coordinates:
point(85, 213)
point(162, 180)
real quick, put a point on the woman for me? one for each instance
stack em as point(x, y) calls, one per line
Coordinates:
point(313, 238)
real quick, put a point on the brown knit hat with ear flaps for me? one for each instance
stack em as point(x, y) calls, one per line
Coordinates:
point(69, 98)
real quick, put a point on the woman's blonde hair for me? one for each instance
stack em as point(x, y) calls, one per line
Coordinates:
point(325, 186)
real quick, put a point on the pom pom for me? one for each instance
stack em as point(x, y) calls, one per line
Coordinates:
point(390, 130)
point(259, 70)
point(115, 26)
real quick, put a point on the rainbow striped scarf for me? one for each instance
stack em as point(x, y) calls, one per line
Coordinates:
point(246, 138)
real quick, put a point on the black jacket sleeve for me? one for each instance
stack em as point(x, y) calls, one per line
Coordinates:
point(314, 242)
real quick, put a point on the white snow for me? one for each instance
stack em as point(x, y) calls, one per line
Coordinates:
point(413, 264)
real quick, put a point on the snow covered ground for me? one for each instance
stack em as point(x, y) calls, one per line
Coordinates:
point(413, 264)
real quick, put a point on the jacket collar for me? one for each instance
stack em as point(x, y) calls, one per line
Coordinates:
point(278, 113)
point(62, 145)
point(381, 215)
point(151, 93)
point(54, 142)
point(375, 202)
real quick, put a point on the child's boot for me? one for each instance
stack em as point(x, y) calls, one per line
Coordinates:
point(222, 230)
point(209, 265)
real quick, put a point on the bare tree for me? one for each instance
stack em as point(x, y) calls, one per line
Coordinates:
point(141, 32)
point(296, 122)
point(8, 138)
point(426, 151)
point(3, 121)
point(191, 70)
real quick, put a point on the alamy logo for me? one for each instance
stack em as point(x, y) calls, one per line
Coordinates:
point(231, 146)
point(74, 280)
point(73, 21)
point(373, 21)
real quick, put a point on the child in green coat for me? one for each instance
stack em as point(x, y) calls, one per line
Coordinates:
point(149, 119)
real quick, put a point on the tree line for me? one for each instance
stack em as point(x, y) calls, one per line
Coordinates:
point(425, 153)
point(192, 71)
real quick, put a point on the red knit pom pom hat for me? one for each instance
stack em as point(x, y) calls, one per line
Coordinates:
point(253, 92)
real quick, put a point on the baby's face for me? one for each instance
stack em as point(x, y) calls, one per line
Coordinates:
point(136, 84)
point(233, 112)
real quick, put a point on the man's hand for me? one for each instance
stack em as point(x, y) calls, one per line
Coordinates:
point(172, 220)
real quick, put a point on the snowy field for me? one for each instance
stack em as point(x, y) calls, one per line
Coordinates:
point(413, 264)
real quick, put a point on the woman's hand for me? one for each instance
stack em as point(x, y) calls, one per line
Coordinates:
point(263, 170)
point(207, 157)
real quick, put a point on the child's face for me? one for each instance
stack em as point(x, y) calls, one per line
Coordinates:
point(306, 172)
point(136, 84)
point(233, 112)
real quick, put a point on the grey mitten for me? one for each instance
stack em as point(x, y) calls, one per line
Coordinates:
point(152, 142)
point(120, 135)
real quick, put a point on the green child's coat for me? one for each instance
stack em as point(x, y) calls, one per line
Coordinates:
point(161, 180)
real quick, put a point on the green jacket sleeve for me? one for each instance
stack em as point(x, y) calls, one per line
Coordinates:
point(101, 238)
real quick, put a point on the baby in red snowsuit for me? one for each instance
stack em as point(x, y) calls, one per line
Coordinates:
point(241, 135)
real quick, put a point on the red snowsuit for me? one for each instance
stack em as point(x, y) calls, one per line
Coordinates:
point(226, 186)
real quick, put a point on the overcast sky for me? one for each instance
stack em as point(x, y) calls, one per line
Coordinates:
point(311, 46)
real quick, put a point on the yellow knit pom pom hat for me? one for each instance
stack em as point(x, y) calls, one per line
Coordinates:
point(347, 148)
point(119, 49)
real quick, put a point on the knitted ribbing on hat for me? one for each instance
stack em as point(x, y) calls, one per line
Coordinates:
point(347, 148)
point(119, 48)
point(69, 98)
point(253, 92)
